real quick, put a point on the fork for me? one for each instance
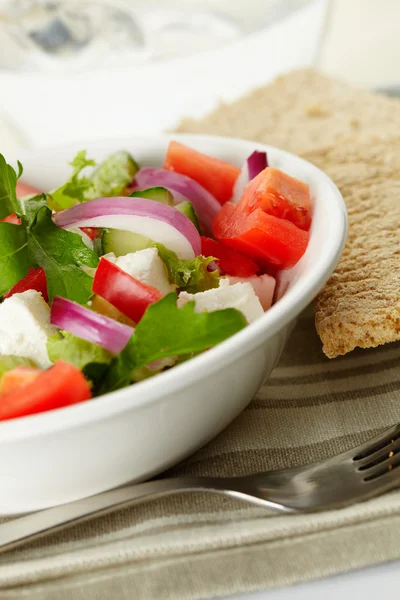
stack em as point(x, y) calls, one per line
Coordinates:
point(364, 472)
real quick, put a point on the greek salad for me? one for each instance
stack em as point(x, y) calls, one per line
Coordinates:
point(125, 271)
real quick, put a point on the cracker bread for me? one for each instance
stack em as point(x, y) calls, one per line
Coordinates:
point(301, 112)
point(360, 305)
point(351, 135)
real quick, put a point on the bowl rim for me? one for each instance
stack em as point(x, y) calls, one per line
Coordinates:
point(275, 319)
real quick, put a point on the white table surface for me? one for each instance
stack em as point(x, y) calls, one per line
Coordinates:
point(362, 45)
point(379, 582)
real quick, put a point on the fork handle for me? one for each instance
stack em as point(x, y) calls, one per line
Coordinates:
point(24, 529)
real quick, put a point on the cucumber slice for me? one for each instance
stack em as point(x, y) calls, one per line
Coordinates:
point(159, 194)
point(123, 242)
point(186, 208)
point(114, 174)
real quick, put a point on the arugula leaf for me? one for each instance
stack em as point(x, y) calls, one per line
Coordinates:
point(166, 330)
point(30, 207)
point(8, 182)
point(14, 257)
point(77, 188)
point(90, 358)
point(61, 254)
point(189, 275)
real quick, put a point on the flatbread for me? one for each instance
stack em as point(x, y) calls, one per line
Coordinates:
point(351, 135)
point(360, 305)
point(301, 112)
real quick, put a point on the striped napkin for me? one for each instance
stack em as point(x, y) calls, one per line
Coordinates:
point(202, 546)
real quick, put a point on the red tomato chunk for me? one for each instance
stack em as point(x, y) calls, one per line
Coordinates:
point(34, 280)
point(279, 195)
point(216, 176)
point(130, 296)
point(61, 385)
point(230, 261)
point(264, 238)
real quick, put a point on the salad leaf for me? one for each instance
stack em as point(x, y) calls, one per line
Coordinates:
point(109, 179)
point(8, 182)
point(166, 330)
point(61, 254)
point(80, 162)
point(9, 362)
point(14, 257)
point(77, 188)
point(90, 358)
point(189, 275)
point(114, 174)
point(30, 207)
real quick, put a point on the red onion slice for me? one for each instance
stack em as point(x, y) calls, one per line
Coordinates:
point(161, 223)
point(182, 188)
point(90, 326)
point(213, 266)
point(256, 162)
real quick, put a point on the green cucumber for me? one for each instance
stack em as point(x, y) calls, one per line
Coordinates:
point(114, 174)
point(123, 242)
point(186, 208)
point(159, 194)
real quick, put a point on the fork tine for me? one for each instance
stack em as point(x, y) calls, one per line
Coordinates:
point(380, 456)
point(382, 469)
point(378, 443)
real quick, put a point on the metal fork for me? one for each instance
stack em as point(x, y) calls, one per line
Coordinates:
point(364, 472)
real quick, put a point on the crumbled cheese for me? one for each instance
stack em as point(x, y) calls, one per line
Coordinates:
point(25, 327)
point(147, 267)
point(240, 296)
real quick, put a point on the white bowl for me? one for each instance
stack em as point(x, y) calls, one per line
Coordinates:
point(137, 432)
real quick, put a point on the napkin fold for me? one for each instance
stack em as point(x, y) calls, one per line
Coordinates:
point(199, 545)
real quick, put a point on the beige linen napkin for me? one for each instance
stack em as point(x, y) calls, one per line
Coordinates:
point(201, 546)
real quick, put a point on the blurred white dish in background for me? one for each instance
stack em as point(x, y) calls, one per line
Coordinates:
point(71, 35)
point(142, 99)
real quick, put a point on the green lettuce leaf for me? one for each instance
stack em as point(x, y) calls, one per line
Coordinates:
point(90, 358)
point(77, 189)
point(61, 254)
point(166, 330)
point(14, 257)
point(109, 179)
point(8, 181)
point(8, 363)
point(114, 174)
point(189, 275)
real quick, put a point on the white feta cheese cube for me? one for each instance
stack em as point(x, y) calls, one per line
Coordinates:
point(240, 296)
point(263, 285)
point(25, 327)
point(224, 282)
point(147, 267)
